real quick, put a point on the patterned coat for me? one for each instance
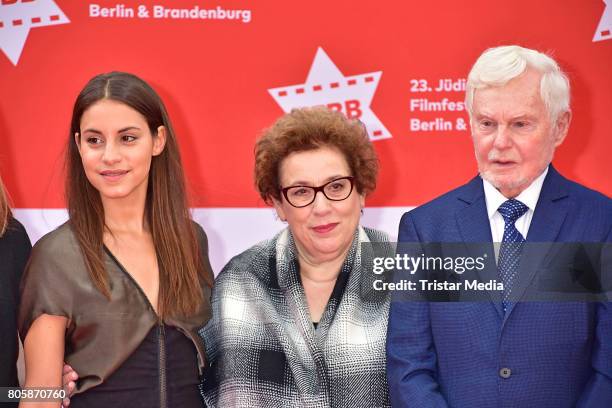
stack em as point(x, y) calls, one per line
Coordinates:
point(263, 348)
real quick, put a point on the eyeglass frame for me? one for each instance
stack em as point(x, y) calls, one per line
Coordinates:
point(320, 188)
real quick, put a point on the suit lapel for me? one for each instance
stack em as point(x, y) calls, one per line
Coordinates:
point(550, 213)
point(473, 224)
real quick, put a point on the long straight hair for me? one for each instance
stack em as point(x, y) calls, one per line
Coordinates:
point(5, 209)
point(181, 267)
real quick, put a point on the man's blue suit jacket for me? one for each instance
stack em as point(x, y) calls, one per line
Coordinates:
point(450, 354)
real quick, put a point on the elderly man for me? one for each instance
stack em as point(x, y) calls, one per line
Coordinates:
point(503, 352)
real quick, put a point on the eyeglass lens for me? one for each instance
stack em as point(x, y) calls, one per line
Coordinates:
point(335, 190)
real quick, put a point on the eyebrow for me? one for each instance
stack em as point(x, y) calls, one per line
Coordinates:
point(125, 129)
point(524, 116)
point(517, 117)
point(308, 184)
point(482, 115)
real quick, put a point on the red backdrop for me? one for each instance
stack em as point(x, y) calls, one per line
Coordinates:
point(215, 76)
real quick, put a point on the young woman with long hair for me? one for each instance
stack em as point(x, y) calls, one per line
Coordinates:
point(119, 291)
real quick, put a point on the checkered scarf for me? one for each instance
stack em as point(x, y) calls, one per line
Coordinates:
point(261, 344)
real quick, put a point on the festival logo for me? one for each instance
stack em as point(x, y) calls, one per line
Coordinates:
point(326, 85)
point(604, 29)
point(17, 17)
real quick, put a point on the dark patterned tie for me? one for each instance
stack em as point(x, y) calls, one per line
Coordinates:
point(511, 247)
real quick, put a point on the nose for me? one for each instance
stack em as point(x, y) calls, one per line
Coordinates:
point(502, 137)
point(321, 205)
point(111, 153)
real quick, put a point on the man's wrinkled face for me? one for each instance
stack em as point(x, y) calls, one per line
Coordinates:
point(514, 137)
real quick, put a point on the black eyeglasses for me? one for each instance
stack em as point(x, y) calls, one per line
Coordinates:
point(336, 190)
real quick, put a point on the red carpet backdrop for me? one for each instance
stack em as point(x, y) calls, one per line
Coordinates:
point(227, 69)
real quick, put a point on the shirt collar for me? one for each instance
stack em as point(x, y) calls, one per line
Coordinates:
point(529, 196)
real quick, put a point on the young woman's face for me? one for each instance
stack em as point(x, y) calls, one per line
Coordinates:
point(116, 148)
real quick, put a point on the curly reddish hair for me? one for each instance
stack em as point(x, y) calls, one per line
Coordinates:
point(309, 129)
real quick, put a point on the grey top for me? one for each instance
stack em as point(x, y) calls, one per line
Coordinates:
point(261, 344)
point(101, 334)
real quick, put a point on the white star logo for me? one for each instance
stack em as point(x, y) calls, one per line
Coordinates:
point(326, 85)
point(604, 29)
point(17, 17)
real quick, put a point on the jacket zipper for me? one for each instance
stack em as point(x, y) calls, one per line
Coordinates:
point(161, 334)
point(163, 403)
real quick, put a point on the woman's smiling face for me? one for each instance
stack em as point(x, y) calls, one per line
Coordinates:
point(116, 148)
point(324, 229)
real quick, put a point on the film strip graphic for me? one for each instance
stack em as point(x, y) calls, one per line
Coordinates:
point(34, 21)
point(349, 81)
point(351, 94)
point(17, 17)
point(30, 13)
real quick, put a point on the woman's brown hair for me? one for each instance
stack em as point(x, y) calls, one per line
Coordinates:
point(5, 209)
point(181, 267)
point(309, 129)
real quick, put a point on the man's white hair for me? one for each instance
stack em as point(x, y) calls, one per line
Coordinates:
point(496, 66)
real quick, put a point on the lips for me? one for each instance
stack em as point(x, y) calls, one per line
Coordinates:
point(113, 175)
point(503, 163)
point(322, 229)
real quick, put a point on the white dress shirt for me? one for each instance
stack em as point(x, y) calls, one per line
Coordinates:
point(494, 199)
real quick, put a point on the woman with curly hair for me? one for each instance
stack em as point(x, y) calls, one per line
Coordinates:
point(296, 321)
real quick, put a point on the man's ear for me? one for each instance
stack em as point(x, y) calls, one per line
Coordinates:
point(561, 127)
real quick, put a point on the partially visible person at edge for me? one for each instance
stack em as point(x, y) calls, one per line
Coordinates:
point(14, 252)
point(120, 290)
point(296, 321)
point(509, 351)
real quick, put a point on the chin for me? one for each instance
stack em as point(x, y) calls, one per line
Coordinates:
point(507, 183)
point(327, 247)
point(113, 194)
point(500, 180)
